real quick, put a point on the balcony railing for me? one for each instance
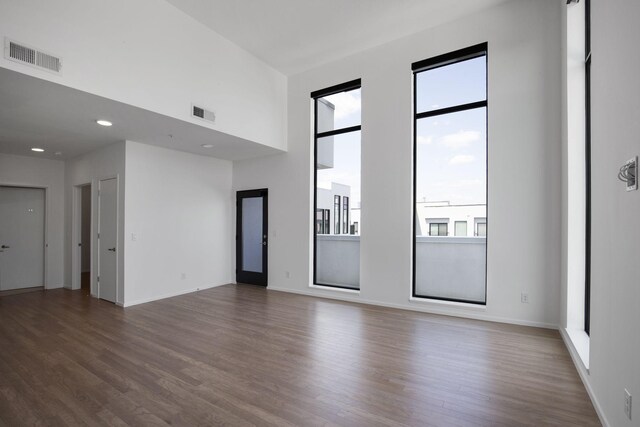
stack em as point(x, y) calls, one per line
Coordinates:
point(446, 267)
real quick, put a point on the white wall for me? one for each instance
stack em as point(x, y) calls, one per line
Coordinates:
point(103, 163)
point(149, 54)
point(179, 210)
point(30, 171)
point(615, 290)
point(524, 141)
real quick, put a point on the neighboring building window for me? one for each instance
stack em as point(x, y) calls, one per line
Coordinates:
point(438, 229)
point(322, 221)
point(450, 172)
point(326, 220)
point(319, 221)
point(481, 227)
point(461, 228)
point(345, 214)
point(336, 125)
point(336, 214)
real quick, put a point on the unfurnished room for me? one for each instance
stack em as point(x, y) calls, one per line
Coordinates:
point(319, 213)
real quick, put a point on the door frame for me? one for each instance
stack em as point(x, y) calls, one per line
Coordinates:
point(76, 237)
point(264, 193)
point(45, 269)
point(97, 240)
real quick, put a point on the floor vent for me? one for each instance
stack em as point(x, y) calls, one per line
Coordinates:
point(202, 113)
point(27, 55)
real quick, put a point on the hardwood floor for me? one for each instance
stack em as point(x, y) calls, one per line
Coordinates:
point(241, 355)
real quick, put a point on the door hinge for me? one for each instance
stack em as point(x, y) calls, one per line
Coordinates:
point(98, 235)
point(98, 278)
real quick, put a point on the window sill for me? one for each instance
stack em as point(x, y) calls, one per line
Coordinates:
point(580, 341)
point(441, 303)
point(332, 288)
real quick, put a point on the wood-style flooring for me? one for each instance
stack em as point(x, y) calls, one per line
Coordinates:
point(240, 355)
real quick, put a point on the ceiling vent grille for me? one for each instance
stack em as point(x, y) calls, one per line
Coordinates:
point(23, 54)
point(203, 113)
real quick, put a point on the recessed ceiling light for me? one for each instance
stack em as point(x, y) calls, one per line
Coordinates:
point(58, 153)
point(37, 150)
point(207, 145)
point(104, 122)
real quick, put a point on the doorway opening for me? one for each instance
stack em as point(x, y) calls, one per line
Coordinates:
point(22, 239)
point(82, 231)
point(85, 239)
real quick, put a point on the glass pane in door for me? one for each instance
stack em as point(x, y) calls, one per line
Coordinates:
point(252, 234)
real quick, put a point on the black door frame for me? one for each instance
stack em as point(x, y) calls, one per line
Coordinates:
point(251, 277)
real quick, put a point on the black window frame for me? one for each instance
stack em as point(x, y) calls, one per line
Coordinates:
point(587, 145)
point(476, 51)
point(315, 95)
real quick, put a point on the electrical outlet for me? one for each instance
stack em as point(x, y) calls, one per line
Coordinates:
point(627, 403)
point(183, 276)
point(287, 274)
point(524, 298)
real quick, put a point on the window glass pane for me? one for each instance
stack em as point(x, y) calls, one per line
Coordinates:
point(451, 158)
point(450, 173)
point(339, 111)
point(460, 83)
point(252, 234)
point(337, 261)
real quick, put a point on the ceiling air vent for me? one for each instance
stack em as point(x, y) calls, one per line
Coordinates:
point(23, 54)
point(202, 113)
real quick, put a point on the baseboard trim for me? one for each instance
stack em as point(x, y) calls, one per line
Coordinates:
point(169, 295)
point(584, 376)
point(421, 308)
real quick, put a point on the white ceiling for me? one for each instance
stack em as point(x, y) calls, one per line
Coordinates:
point(297, 35)
point(38, 113)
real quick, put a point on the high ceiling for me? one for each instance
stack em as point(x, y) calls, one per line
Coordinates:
point(56, 118)
point(296, 35)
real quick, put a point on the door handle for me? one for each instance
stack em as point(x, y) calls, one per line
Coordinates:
point(5, 247)
point(112, 249)
point(264, 243)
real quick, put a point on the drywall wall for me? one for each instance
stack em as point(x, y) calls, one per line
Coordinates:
point(614, 347)
point(107, 162)
point(524, 166)
point(149, 54)
point(49, 174)
point(178, 221)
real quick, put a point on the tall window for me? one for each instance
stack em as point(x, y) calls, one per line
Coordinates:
point(587, 103)
point(450, 174)
point(336, 259)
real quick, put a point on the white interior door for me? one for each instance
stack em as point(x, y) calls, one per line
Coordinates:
point(22, 213)
point(107, 238)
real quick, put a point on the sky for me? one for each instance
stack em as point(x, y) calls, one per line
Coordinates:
point(451, 149)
